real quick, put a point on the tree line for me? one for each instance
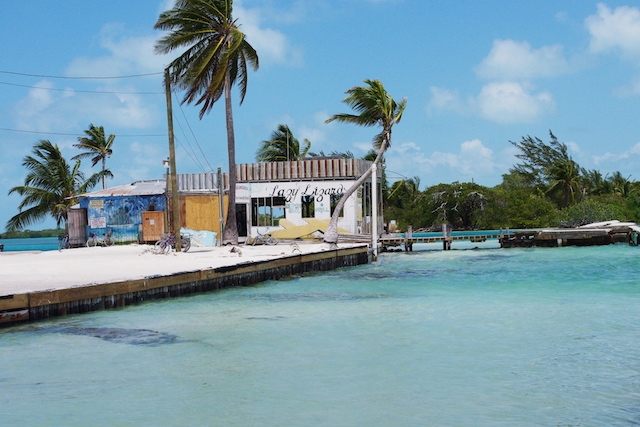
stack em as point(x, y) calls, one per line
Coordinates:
point(546, 188)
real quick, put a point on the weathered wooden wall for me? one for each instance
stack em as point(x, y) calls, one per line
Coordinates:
point(201, 211)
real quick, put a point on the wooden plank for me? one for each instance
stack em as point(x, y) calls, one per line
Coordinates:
point(12, 302)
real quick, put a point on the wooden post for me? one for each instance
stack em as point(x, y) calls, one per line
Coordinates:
point(374, 210)
point(220, 206)
point(408, 239)
point(446, 237)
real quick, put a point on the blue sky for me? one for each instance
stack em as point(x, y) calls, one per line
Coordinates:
point(476, 74)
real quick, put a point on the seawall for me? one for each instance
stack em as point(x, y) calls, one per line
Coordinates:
point(39, 305)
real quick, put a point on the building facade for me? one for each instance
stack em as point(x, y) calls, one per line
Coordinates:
point(286, 199)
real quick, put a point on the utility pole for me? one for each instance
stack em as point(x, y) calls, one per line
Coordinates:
point(175, 200)
point(220, 206)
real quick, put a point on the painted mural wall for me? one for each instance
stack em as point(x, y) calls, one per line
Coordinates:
point(121, 214)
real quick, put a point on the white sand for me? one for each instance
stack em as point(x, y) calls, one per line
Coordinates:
point(22, 272)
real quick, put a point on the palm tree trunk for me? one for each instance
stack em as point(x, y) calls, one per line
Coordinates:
point(331, 235)
point(230, 235)
point(104, 166)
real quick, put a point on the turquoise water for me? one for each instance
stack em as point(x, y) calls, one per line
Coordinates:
point(34, 244)
point(489, 337)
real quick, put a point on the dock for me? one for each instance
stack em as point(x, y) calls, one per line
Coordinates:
point(601, 233)
point(408, 239)
point(596, 234)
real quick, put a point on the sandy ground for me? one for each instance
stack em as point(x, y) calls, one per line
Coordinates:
point(22, 272)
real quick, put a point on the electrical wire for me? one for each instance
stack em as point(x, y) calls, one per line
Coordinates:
point(44, 76)
point(83, 91)
point(190, 151)
point(194, 136)
point(75, 134)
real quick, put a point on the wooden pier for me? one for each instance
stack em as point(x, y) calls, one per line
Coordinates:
point(603, 233)
point(407, 240)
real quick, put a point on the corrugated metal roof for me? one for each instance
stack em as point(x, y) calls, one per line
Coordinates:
point(138, 188)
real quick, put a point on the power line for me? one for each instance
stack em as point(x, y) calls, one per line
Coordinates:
point(44, 76)
point(194, 136)
point(83, 91)
point(75, 134)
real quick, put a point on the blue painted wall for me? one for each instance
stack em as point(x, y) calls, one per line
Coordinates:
point(121, 214)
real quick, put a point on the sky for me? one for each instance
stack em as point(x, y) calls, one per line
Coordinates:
point(476, 74)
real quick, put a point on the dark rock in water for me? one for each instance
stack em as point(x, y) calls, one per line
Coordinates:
point(121, 335)
point(266, 318)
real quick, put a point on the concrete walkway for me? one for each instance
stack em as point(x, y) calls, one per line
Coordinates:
point(23, 272)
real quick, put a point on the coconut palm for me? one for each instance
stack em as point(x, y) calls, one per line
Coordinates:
point(334, 154)
point(216, 57)
point(50, 186)
point(282, 146)
point(564, 175)
point(620, 185)
point(375, 107)
point(97, 147)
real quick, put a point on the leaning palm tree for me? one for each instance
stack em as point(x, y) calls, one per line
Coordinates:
point(98, 147)
point(282, 146)
point(375, 107)
point(50, 186)
point(216, 57)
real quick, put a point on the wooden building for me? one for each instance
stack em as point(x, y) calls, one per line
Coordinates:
point(287, 199)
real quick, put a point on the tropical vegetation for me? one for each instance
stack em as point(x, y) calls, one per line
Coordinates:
point(282, 146)
point(50, 187)
point(374, 107)
point(546, 188)
point(216, 57)
point(97, 147)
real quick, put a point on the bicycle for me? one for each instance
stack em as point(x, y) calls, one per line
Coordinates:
point(63, 242)
point(168, 242)
point(107, 240)
point(263, 239)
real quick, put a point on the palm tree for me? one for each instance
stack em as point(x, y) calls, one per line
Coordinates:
point(620, 185)
point(50, 186)
point(334, 154)
point(98, 147)
point(375, 107)
point(565, 175)
point(282, 146)
point(216, 57)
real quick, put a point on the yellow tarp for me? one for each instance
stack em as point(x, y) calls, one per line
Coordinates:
point(293, 231)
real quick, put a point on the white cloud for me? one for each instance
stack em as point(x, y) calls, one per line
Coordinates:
point(38, 99)
point(510, 102)
point(573, 147)
point(445, 100)
point(609, 157)
point(315, 135)
point(615, 30)
point(125, 55)
point(272, 45)
point(511, 60)
point(628, 90)
point(473, 161)
point(62, 111)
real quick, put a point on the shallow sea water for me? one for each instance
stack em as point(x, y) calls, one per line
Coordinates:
point(489, 337)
